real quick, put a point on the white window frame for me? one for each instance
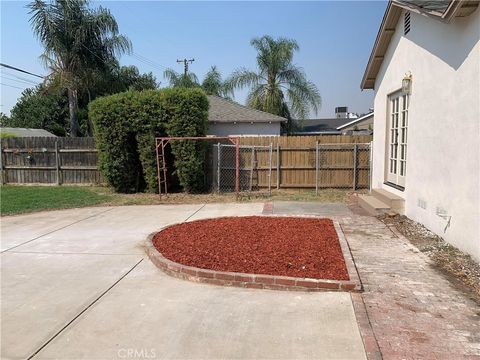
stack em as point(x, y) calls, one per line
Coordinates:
point(397, 139)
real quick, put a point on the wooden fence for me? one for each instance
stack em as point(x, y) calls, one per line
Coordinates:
point(49, 160)
point(333, 161)
point(297, 161)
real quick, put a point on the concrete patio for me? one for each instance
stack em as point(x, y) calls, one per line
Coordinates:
point(76, 284)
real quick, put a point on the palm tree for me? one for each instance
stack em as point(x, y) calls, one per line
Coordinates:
point(214, 85)
point(78, 42)
point(279, 87)
point(175, 79)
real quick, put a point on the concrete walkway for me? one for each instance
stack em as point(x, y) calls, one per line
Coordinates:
point(77, 285)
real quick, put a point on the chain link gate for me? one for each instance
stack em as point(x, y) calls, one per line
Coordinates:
point(254, 172)
point(342, 166)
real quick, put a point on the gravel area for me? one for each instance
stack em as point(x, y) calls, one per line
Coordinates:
point(461, 269)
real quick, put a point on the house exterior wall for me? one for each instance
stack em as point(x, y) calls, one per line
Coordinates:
point(226, 129)
point(443, 156)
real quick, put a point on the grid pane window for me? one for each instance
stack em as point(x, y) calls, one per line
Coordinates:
point(398, 138)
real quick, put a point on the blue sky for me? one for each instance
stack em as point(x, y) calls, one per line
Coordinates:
point(335, 39)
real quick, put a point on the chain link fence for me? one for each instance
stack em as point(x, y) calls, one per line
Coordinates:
point(254, 168)
point(264, 167)
point(342, 166)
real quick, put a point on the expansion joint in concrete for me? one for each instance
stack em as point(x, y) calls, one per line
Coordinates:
point(83, 311)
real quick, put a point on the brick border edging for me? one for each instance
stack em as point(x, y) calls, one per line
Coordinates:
point(257, 281)
point(370, 343)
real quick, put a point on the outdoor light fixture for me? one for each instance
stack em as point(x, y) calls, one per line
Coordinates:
point(407, 83)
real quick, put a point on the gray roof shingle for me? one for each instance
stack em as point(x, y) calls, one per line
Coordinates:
point(24, 132)
point(226, 111)
point(322, 125)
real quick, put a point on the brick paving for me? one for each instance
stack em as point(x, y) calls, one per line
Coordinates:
point(408, 309)
point(414, 312)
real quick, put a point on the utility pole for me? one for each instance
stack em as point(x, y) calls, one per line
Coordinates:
point(185, 64)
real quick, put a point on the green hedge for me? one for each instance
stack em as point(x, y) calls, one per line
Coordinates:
point(126, 124)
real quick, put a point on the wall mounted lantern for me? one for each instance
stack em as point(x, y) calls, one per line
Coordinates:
point(407, 83)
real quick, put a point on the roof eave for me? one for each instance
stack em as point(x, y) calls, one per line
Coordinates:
point(364, 117)
point(391, 16)
point(445, 16)
point(368, 80)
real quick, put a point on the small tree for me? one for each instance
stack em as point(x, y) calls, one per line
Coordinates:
point(4, 119)
point(41, 108)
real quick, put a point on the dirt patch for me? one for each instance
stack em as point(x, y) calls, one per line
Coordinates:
point(462, 271)
point(297, 247)
point(324, 195)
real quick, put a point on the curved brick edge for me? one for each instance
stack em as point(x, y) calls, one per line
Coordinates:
point(256, 281)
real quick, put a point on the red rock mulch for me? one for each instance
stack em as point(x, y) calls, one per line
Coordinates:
point(297, 247)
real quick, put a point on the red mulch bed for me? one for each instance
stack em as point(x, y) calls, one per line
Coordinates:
point(297, 247)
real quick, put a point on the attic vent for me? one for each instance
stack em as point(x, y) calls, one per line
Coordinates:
point(406, 23)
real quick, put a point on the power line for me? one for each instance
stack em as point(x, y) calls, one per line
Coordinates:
point(16, 87)
point(20, 70)
point(185, 64)
point(137, 56)
point(148, 62)
point(3, 73)
point(20, 81)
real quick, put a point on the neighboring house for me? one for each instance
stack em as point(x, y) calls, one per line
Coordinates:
point(320, 126)
point(23, 132)
point(364, 122)
point(227, 118)
point(344, 123)
point(425, 71)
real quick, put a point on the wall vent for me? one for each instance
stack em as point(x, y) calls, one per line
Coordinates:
point(406, 23)
point(422, 203)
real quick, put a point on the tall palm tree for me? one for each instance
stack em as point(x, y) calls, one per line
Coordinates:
point(175, 79)
point(213, 84)
point(279, 87)
point(78, 41)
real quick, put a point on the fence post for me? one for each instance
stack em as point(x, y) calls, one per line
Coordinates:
point(3, 172)
point(278, 165)
point(317, 160)
point(355, 147)
point(270, 155)
point(219, 168)
point(252, 165)
point(57, 163)
point(370, 165)
point(237, 166)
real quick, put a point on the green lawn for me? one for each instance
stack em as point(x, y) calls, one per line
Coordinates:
point(23, 199)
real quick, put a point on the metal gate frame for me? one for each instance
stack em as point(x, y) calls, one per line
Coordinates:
point(162, 142)
point(253, 148)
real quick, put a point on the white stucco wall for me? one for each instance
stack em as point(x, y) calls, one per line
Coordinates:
point(443, 159)
point(226, 129)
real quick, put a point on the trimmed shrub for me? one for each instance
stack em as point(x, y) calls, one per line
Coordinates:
point(125, 127)
point(188, 116)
